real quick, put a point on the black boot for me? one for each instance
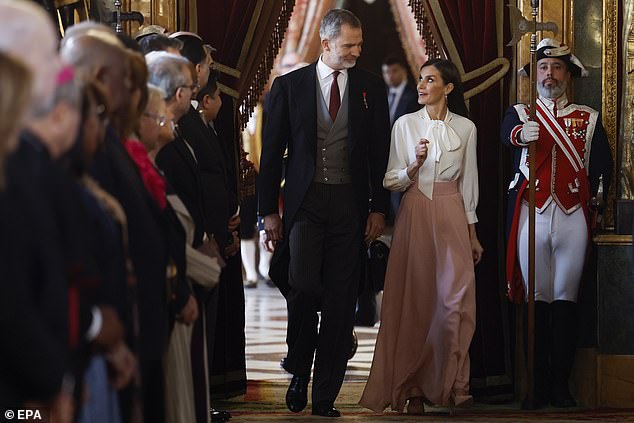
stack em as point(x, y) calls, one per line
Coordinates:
point(541, 375)
point(564, 344)
point(543, 333)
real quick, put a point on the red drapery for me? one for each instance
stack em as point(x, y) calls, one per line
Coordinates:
point(472, 27)
point(247, 35)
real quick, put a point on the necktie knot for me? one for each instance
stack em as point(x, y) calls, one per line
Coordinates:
point(335, 97)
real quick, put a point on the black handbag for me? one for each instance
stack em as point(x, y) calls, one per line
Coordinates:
point(378, 253)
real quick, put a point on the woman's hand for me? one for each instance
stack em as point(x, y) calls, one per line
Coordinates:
point(421, 155)
point(421, 151)
point(476, 248)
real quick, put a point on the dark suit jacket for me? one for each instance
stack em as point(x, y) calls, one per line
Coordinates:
point(292, 124)
point(408, 102)
point(115, 171)
point(180, 169)
point(34, 306)
point(211, 164)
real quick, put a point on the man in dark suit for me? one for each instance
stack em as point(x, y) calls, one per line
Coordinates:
point(333, 119)
point(402, 96)
point(220, 202)
point(402, 99)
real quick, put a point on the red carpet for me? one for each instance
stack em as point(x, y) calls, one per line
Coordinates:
point(264, 402)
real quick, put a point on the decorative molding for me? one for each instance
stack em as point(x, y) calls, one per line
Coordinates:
point(501, 62)
point(610, 91)
point(227, 70)
point(612, 239)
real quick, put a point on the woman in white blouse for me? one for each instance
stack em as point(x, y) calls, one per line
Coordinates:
point(428, 311)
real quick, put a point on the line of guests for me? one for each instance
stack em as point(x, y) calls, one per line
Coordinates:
point(122, 296)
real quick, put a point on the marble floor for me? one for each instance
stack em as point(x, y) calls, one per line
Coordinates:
point(266, 333)
point(264, 400)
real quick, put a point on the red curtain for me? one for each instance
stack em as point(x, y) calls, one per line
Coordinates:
point(224, 25)
point(247, 35)
point(473, 28)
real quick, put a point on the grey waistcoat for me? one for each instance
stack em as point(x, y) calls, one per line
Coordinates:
point(332, 166)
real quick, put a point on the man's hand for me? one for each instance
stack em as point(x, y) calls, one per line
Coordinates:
point(233, 223)
point(529, 132)
point(233, 248)
point(374, 227)
point(189, 313)
point(111, 328)
point(273, 230)
point(122, 365)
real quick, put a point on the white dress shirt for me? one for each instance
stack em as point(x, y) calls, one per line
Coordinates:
point(398, 93)
point(324, 74)
point(451, 156)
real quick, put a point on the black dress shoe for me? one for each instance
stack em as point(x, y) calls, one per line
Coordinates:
point(219, 416)
point(325, 410)
point(297, 394)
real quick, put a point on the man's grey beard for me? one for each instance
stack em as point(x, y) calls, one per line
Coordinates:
point(553, 92)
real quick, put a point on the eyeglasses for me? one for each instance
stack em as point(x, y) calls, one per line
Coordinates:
point(192, 87)
point(160, 120)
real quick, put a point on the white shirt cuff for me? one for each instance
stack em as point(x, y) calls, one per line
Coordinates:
point(471, 217)
point(404, 179)
point(95, 325)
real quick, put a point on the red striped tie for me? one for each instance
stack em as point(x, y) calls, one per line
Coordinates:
point(335, 99)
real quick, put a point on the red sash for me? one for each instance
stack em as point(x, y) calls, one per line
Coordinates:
point(551, 133)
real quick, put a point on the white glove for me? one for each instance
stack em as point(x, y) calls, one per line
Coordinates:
point(530, 132)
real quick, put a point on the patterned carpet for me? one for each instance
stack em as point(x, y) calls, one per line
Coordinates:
point(264, 401)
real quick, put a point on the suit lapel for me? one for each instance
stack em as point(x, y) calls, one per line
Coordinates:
point(306, 96)
point(355, 103)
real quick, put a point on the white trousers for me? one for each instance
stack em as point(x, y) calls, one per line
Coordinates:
point(560, 251)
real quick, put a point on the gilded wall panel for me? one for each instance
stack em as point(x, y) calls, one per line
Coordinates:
point(557, 11)
point(157, 12)
point(626, 131)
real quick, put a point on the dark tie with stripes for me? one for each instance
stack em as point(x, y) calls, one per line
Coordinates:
point(335, 99)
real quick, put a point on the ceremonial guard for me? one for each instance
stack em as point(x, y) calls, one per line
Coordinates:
point(572, 157)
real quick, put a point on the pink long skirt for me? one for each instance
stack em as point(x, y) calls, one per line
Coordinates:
point(428, 311)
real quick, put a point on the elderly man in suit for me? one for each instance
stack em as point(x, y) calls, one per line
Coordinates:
point(332, 118)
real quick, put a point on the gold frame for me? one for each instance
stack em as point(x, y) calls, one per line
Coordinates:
point(610, 95)
point(562, 13)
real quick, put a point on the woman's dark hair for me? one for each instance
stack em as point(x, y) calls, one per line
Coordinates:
point(209, 89)
point(129, 43)
point(192, 49)
point(449, 74)
point(159, 42)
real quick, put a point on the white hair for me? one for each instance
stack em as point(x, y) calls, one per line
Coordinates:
point(93, 29)
point(166, 71)
point(155, 93)
point(28, 33)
